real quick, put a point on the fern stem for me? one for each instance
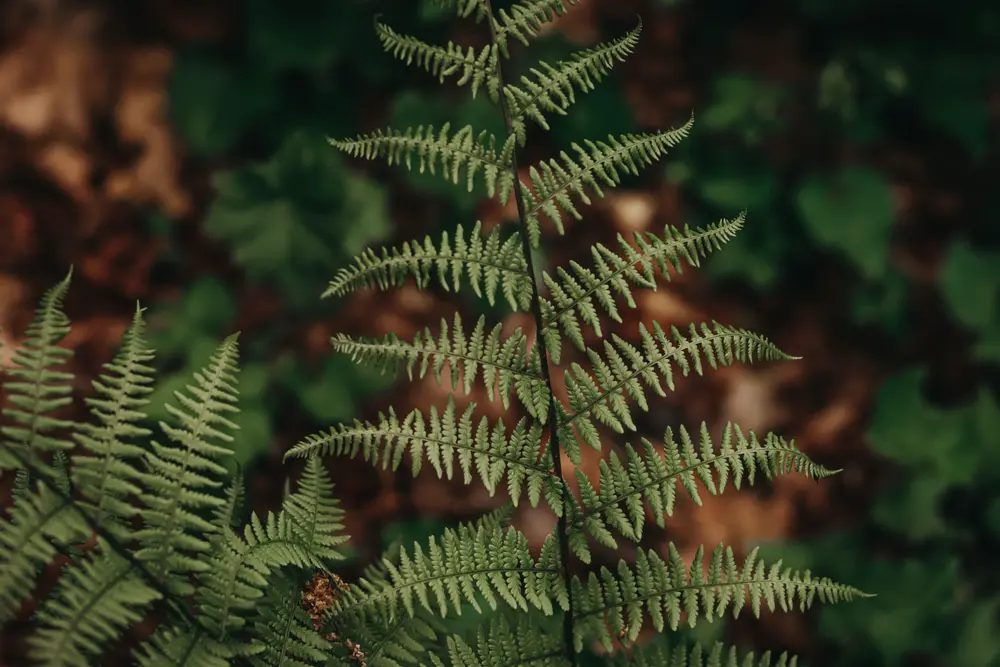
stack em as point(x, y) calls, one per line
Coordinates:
point(536, 311)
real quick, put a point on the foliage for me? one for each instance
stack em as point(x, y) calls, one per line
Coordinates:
point(150, 509)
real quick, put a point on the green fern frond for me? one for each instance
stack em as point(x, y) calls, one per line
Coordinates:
point(110, 476)
point(407, 640)
point(39, 522)
point(36, 388)
point(579, 295)
point(527, 641)
point(554, 182)
point(484, 260)
point(463, 566)
point(524, 20)
point(622, 371)
point(653, 478)
point(661, 653)
point(227, 515)
point(614, 602)
point(472, 68)
point(553, 88)
point(454, 154)
point(440, 439)
point(92, 605)
point(175, 645)
point(183, 474)
point(465, 8)
point(285, 631)
point(240, 569)
point(505, 363)
point(316, 515)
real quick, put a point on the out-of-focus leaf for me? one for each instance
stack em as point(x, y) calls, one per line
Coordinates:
point(970, 281)
point(213, 104)
point(851, 212)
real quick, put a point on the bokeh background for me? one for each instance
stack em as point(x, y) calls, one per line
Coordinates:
point(173, 152)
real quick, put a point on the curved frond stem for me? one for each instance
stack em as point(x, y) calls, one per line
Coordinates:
point(472, 68)
point(553, 88)
point(524, 20)
point(614, 602)
point(555, 180)
point(624, 369)
point(506, 363)
point(573, 295)
point(484, 260)
point(452, 153)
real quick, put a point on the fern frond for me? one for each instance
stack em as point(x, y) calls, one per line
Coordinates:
point(284, 629)
point(406, 640)
point(527, 641)
point(183, 474)
point(39, 521)
point(174, 645)
point(472, 68)
point(92, 605)
point(240, 569)
point(227, 515)
point(440, 439)
point(661, 653)
point(556, 181)
point(622, 371)
point(552, 89)
point(465, 8)
point(524, 20)
point(462, 566)
point(316, 515)
point(579, 295)
point(505, 363)
point(614, 602)
point(454, 154)
point(484, 260)
point(109, 476)
point(654, 478)
point(36, 388)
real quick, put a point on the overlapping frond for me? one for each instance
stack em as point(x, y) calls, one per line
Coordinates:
point(284, 629)
point(454, 154)
point(36, 388)
point(111, 474)
point(552, 89)
point(505, 363)
point(316, 515)
point(660, 652)
point(406, 640)
point(184, 473)
point(464, 565)
point(622, 371)
point(580, 294)
point(471, 67)
point(555, 182)
point(614, 602)
point(38, 522)
point(179, 644)
point(92, 604)
point(441, 439)
point(533, 641)
point(653, 478)
point(524, 20)
point(485, 260)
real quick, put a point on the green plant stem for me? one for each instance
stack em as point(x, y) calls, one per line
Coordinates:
point(536, 311)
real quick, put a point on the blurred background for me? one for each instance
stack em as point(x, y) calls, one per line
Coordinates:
point(173, 152)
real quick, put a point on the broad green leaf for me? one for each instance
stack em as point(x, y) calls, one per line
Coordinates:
point(852, 212)
point(970, 281)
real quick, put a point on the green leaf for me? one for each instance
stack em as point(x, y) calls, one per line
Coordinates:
point(851, 212)
point(212, 104)
point(970, 282)
point(290, 221)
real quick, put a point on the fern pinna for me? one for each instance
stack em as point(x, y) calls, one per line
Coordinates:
point(146, 515)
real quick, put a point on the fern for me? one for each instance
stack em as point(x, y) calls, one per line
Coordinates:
point(153, 519)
